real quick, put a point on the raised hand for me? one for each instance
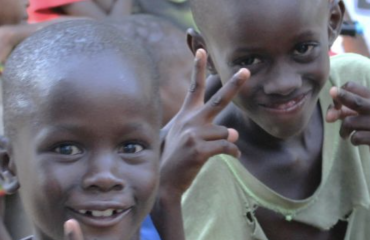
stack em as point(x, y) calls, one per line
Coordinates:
point(72, 230)
point(192, 137)
point(189, 140)
point(352, 106)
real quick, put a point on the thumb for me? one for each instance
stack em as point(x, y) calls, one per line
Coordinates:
point(72, 230)
point(333, 114)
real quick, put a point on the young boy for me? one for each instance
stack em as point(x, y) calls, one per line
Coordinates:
point(303, 170)
point(81, 131)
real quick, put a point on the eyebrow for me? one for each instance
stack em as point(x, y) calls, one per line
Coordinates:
point(79, 130)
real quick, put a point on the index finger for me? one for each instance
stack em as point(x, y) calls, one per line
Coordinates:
point(72, 230)
point(224, 96)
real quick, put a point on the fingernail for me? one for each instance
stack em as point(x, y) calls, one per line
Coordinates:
point(242, 73)
point(68, 230)
point(334, 91)
point(198, 55)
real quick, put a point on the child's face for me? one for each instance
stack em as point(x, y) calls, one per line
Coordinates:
point(91, 150)
point(13, 11)
point(285, 45)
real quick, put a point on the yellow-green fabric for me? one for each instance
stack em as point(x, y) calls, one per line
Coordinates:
point(224, 192)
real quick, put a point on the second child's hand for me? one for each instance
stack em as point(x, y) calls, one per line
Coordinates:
point(191, 139)
point(352, 107)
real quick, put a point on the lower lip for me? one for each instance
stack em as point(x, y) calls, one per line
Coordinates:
point(99, 222)
point(291, 109)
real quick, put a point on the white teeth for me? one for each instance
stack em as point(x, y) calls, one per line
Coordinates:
point(95, 213)
point(106, 213)
point(82, 211)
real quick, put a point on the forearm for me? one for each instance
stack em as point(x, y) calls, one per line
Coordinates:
point(120, 9)
point(167, 218)
point(89, 9)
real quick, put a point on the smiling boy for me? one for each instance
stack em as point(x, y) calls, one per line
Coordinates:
point(300, 173)
point(82, 131)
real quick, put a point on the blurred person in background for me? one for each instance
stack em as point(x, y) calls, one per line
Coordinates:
point(357, 11)
point(13, 222)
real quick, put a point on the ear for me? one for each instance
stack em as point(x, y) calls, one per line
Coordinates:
point(8, 179)
point(195, 42)
point(337, 10)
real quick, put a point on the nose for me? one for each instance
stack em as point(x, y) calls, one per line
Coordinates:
point(101, 175)
point(282, 81)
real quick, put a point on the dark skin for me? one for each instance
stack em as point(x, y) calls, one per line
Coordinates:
point(278, 104)
point(98, 9)
point(12, 32)
point(95, 157)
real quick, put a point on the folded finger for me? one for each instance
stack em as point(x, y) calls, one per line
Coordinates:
point(354, 123)
point(334, 114)
point(360, 138)
point(209, 133)
point(212, 148)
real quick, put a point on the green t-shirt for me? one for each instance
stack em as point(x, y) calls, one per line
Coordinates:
point(220, 203)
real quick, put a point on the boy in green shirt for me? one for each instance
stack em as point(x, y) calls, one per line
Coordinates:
point(301, 166)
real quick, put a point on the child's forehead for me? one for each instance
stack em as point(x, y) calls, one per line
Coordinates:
point(239, 15)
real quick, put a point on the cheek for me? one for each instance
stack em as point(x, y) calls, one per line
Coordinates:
point(319, 70)
point(42, 184)
point(146, 182)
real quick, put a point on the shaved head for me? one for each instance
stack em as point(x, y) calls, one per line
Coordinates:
point(33, 67)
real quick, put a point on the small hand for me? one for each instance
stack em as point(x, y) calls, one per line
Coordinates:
point(72, 230)
point(352, 106)
point(192, 138)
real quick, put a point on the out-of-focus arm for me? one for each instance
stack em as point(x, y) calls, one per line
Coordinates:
point(96, 10)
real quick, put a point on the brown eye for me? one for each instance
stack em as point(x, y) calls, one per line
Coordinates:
point(131, 148)
point(303, 49)
point(68, 149)
point(249, 61)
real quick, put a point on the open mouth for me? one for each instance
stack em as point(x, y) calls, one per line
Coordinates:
point(100, 218)
point(287, 106)
point(101, 214)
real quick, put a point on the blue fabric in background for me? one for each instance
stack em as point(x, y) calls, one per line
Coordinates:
point(148, 231)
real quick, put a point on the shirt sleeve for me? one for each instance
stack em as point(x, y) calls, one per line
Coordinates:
point(42, 10)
